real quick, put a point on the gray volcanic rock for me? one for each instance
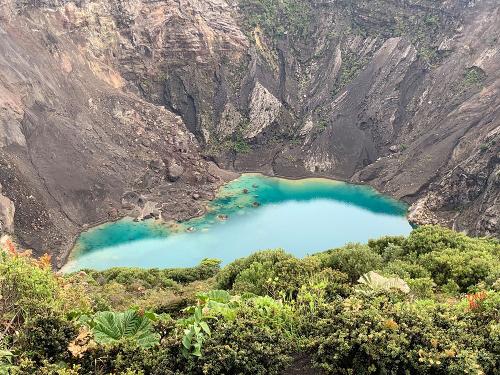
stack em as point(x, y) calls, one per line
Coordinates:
point(174, 171)
point(396, 94)
point(72, 137)
point(7, 211)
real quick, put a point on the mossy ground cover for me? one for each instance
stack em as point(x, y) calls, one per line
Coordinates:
point(257, 314)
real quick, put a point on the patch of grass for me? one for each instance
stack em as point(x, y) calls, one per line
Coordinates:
point(240, 146)
point(278, 18)
point(322, 124)
point(473, 77)
point(486, 146)
point(350, 68)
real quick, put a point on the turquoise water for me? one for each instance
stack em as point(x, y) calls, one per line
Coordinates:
point(302, 217)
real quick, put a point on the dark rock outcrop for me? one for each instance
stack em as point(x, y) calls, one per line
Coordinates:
point(7, 211)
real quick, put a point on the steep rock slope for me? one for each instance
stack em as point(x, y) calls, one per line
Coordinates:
point(78, 148)
point(402, 95)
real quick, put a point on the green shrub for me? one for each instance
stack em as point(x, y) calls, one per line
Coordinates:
point(147, 278)
point(352, 259)
point(376, 335)
point(380, 245)
point(196, 329)
point(27, 288)
point(473, 76)
point(336, 283)
point(281, 279)
point(46, 337)
point(257, 339)
point(240, 146)
point(45, 368)
point(430, 238)
point(406, 269)
point(227, 276)
point(465, 268)
point(206, 269)
point(255, 342)
point(121, 358)
point(450, 288)
point(422, 287)
point(153, 277)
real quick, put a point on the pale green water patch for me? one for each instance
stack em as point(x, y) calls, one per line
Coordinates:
point(251, 213)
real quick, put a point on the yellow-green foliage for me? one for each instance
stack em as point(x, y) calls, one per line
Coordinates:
point(274, 307)
point(27, 287)
point(278, 18)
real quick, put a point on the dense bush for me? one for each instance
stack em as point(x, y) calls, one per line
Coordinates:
point(47, 336)
point(280, 279)
point(254, 342)
point(422, 287)
point(227, 276)
point(376, 335)
point(160, 290)
point(379, 245)
point(270, 272)
point(466, 268)
point(147, 278)
point(119, 358)
point(27, 287)
point(352, 259)
point(206, 269)
point(275, 307)
point(150, 278)
point(406, 269)
point(425, 239)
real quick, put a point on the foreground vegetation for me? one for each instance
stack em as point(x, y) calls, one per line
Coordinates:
point(425, 304)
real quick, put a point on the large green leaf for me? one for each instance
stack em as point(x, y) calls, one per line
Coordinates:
point(109, 327)
point(220, 296)
point(376, 282)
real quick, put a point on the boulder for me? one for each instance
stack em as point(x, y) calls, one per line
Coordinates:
point(174, 171)
point(130, 200)
point(156, 214)
point(7, 211)
point(156, 164)
point(113, 213)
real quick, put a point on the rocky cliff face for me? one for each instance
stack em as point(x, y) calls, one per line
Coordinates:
point(77, 147)
point(106, 105)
